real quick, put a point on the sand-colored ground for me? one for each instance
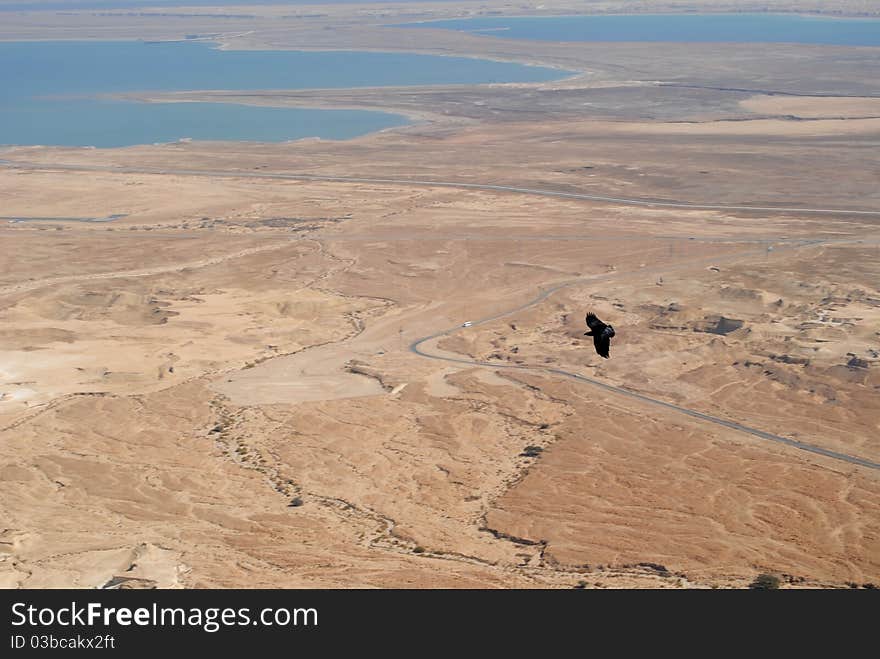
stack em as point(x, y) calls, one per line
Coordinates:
point(814, 108)
point(756, 127)
point(151, 424)
point(228, 386)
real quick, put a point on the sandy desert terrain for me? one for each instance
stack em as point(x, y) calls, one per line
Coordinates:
point(257, 375)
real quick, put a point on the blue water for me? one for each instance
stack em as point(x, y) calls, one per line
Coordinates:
point(48, 89)
point(74, 5)
point(738, 28)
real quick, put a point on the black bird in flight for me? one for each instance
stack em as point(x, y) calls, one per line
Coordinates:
point(601, 334)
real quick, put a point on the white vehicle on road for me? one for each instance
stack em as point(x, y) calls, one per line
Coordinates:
point(467, 324)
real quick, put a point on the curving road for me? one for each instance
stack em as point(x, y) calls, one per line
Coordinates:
point(417, 348)
point(625, 201)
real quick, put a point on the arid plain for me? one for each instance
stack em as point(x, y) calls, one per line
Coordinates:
point(228, 385)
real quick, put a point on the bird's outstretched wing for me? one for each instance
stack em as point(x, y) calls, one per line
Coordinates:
point(596, 326)
point(603, 343)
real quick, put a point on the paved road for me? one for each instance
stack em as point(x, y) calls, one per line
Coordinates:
point(418, 347)
point(626, 201)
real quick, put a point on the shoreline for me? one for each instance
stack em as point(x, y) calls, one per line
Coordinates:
point(623, 10)
point(408, 116)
